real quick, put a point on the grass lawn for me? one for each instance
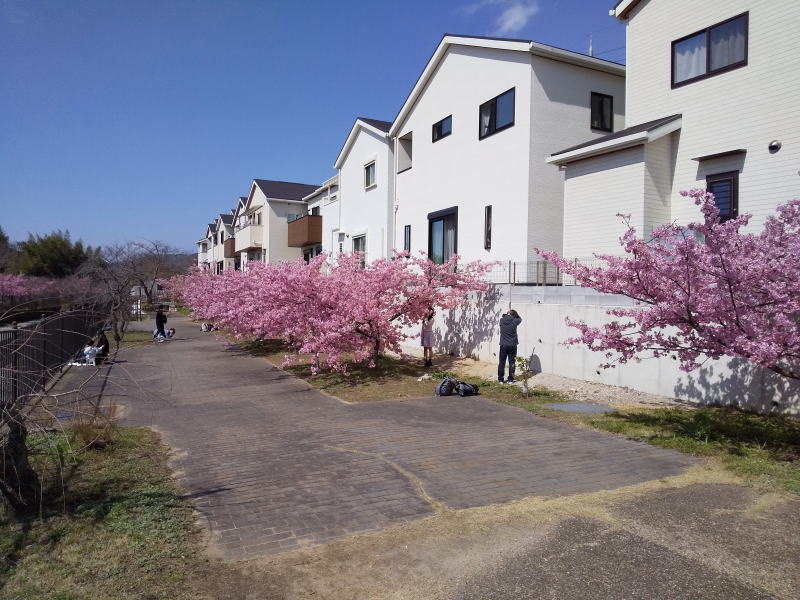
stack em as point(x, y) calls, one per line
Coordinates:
point(764, 450)
point(391, 379)
point(120, 529)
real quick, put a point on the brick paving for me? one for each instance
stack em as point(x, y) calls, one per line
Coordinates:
point(273, 465)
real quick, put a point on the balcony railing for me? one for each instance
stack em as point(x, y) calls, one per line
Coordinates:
point(249, 237)
point(305, 231)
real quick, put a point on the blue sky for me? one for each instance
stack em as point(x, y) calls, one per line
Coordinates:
point(127, 120)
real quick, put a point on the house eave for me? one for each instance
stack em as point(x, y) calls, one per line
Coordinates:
point(351, 139)
point(623, 8)
point(629, 141)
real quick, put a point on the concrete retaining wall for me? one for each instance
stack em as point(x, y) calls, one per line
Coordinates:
point(474, 332)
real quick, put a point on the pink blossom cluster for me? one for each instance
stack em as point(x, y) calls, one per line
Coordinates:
point(335, 311)
point(19, 286)
point(707, 289)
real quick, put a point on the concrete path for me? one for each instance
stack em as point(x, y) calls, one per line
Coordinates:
point(274, 465)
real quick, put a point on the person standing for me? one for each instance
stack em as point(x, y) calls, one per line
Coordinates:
point(161, 320)
point(508, 345)
point(426, 338)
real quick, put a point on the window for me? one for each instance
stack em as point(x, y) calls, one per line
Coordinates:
point(442, 235)
point(602, 112)
point(496, 114)
point(315, 210)
point(404, 152)
point(369, 175)
point(443, 128)
point(487, 228)
point(360, 245)
point(407, 238)
point(719, 48)
point(292, 217)
point(725, 186)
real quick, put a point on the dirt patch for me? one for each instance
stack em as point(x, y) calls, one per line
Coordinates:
point(430, 558)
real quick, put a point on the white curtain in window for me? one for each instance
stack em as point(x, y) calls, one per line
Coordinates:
point(449, 238)
point(727, 44)
point(486, 117)
point(690, 58)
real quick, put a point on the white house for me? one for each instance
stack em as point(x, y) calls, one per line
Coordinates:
point(472, 138)
point(313, 233)
point(366, 189)
point(262, 222)
point(712, 102)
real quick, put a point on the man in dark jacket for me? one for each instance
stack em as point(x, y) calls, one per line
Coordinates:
point(161, 320)
point(508, 345)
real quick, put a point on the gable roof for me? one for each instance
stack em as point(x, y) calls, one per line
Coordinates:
point(211, 228)
point(534, 48)
point(624, 138)
point(384, 126)
point(379, 128)
point(284, 190)
point(227, 219)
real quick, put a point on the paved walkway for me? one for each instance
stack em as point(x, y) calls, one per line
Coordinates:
point(274, 465)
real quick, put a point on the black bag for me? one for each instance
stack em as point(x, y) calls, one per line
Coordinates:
point(466, 389)
point(446, 386)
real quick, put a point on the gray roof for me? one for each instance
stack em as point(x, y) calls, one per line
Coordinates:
point(284, 190)
point(227, 219)
point(212, 227)
point(384, 126)
point(622, 133)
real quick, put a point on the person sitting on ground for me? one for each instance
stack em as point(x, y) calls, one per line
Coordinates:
point(102, 344)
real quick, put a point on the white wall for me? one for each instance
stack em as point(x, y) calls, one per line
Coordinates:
point(276, 230)
point(561, 118)
point(474, 331)
point(461, 170)
point(595, 191)
point(366, 211)
point(744, 108)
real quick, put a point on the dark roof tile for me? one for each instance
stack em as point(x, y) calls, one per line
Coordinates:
point(622, 133)
point(284, 190)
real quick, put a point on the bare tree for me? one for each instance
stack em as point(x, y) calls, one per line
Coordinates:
point(151, 261)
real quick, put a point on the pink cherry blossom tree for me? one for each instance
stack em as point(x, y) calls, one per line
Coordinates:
point(335, 311)
point(704, 290)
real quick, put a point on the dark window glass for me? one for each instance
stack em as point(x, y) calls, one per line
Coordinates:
point(602, 112)
point(724, 188)
point(443, 128)
point(407, 238)
point(442, 238)
point(369, 175)
point(718, 48)
point(496, 114)
point(315, 210)
point(487, 228)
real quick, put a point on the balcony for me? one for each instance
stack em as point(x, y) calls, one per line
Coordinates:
point(249, 238)
point(229, 248)
point(305, 231)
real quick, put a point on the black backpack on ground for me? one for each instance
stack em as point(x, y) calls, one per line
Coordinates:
point(446, 386)
point(466, 389)
point(449, 385)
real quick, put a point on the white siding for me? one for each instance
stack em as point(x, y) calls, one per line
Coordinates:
point(462, 170)
point(744, 108)
point(659, 166)
point(366, 211)
point(276, 233)
point(595, 191)
point(561, 118)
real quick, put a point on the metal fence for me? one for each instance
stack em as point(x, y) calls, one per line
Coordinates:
point(535, 272)
point(32, 353)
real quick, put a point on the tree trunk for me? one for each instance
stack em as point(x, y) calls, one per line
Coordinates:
point(19, 483)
